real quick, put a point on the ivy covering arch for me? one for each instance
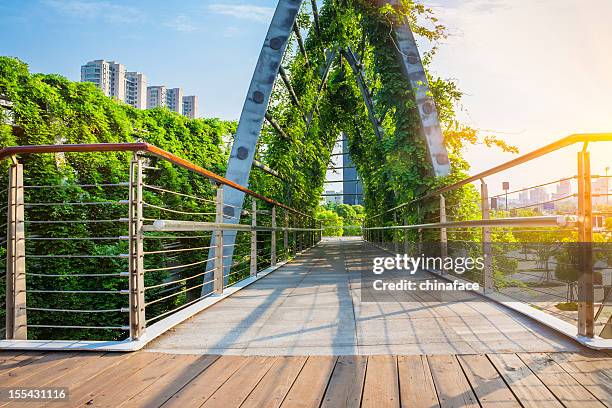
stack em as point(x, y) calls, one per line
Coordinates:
point(351, 67)
point(346, 75)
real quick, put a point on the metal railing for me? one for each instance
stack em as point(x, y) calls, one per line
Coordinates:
point(540, 252)
point(103, 260)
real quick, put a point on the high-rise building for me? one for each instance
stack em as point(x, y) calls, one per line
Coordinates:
point(109, 76)
point(136, 90)
point(117, 80)
point(564, 188)
point(538, 195)
point(174, 100)
point(190, 106)
point(351, 184)
point(131, 87)
point(156, 97)
point(332, 197)
point(600, 188)
point(97, 72)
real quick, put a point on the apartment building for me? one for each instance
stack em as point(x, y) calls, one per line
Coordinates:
point(97, 72)
point(190, 106)
point(157, 97)
point(136, 90)
point(174, 100)
point(131, 87)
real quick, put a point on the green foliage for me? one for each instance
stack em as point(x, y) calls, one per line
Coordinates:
point(348, 216)
point(331, 223)
point(49, 109)
point(394, 170)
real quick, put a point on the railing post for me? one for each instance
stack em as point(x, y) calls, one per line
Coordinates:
point(311, 233)
point(298, 244)
point(273, 239)
point(406, 243)
point(218, 274)
point(253, 263)
point(585, 239)
point(286, 234)
point(136, 237)
point(395, 234)
point(443, 234)
point(487, 273)
point(294, 234)
point(16, 314)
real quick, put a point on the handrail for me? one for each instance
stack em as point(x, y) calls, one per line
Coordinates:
point(138, 147)
point(549, 148)
point(538, 221)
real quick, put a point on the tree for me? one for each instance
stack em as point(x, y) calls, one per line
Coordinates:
point(331, 222)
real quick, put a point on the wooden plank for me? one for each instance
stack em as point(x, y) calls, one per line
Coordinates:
point(346, 384)
point(133, 384)
point(527, 387)
point(196, 392)
point(22, 373)
point(309, 387)
point(274, 386)
point(584, 355)
point(45, 375)
point(489, 387)
point(110, 378)
point(82, 375)
point(381, 387)
point(169, 384)
point(452, 387)
point(417, 389)
point(15, 360)
point(6, 355)
point(559, 382)
point(235, 390)
point(595, 376)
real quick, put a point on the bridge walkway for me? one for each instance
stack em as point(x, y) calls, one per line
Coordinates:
point(312, 306)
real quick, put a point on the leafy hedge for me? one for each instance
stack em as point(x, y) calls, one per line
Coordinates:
point(49, 109)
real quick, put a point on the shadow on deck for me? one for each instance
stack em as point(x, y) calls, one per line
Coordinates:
point(312, 306)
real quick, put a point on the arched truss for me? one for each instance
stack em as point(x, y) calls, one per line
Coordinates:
point(269, 68)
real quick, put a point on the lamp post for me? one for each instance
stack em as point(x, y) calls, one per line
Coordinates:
point(506, 187)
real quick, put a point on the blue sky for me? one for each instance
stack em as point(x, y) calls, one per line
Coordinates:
point(209, 48)
point(532, 71)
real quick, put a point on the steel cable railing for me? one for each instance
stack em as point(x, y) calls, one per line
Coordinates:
point(550, 252)
point(104, 261)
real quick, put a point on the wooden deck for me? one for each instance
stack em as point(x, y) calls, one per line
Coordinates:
point(313, 306)
point(148, 379)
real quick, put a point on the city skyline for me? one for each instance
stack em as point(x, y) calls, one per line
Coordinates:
point(131, 87)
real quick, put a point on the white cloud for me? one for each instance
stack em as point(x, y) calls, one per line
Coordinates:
point(244, 11)
point(96, 9)
point(182, 24)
